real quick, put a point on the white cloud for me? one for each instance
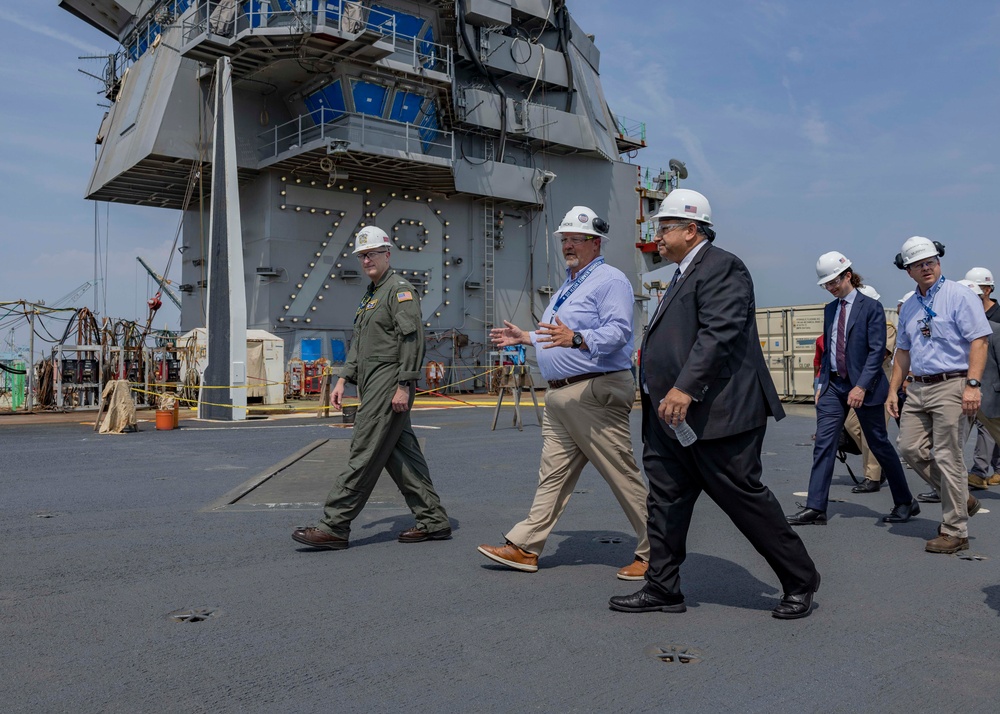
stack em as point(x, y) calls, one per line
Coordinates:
point(47, 31)
point(814, 128)
point(795, 55)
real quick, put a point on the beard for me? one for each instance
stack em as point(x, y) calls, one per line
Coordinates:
point(572, 261)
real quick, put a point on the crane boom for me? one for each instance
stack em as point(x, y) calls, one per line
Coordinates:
point(161, 282)
point(75, 295)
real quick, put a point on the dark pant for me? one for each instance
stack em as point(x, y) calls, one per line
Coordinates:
point(728, 470)
point(831, 412)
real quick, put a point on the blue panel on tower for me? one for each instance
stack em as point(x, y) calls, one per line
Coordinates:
point(327, 104)
point(408, 26)
point(429, 124)
point(405, 106)
point(258, 11)
point(369, 98)
point(312, 349)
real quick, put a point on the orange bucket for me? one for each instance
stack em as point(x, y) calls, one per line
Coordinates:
point(164, 419)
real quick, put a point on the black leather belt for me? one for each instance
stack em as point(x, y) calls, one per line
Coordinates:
point(838, 375)
point(558, 383)
point(935, 378)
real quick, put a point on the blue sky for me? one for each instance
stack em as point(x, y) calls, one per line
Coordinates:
point(811, 126)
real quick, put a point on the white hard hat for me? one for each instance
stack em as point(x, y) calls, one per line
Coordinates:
point(917, 248)
point(972, 285)
point(980, 276)
point(906, 297)
point(685, 203)
point(370, 238)
point(830, 265)
point(869, 291)
point(581, 219)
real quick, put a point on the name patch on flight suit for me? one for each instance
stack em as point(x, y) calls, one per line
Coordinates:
point(371, 305)
point(404, 295)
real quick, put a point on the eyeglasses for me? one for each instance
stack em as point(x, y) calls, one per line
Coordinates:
point(665, 228)
point(922, 264)
point(835, 282)
point(371, 255)
point(575, 240)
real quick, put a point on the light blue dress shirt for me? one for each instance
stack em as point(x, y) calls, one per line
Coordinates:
point(601, 310)
point(959, 319)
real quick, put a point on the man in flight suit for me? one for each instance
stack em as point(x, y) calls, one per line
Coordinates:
point(386, 353)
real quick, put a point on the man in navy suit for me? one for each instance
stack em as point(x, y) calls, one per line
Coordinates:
point(851, 377)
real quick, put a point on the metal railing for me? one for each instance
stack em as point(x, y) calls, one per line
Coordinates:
point(631, 128)
point(361, 130)
point(232, 19)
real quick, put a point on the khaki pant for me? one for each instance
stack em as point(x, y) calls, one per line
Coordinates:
point(873, 472)
point(932, 419)
point(585, 422)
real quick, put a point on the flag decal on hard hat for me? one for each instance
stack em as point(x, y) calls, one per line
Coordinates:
point(690, 209)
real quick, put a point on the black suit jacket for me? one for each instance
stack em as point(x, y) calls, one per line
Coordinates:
point(865, 351)
point(703, 340)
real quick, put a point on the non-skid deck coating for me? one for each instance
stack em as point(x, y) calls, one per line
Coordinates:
point(305, 481)
point(105, 539)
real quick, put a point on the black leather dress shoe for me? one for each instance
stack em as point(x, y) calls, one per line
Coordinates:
point(417, 535)
point(795, 605)
point(643, 601)
point(807, 517)
point(867, 486)
point(903, 512)
point(318, 539)
point(931, 496)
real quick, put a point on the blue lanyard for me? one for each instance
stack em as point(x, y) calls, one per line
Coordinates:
point(931, 294)
point(576, 283)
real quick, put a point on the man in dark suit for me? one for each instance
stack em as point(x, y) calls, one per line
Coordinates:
point(702, 367)
point(989, 408)
point(851, 377)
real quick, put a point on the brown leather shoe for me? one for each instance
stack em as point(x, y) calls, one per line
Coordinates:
point(318, 539)
point(995, 480)
point(418, 535)
point(635, 571)
point(973, 505)
point(511, 556)
point(978, 482)
point(947, 544)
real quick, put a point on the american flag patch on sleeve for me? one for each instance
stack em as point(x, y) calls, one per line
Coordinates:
point(404, 295)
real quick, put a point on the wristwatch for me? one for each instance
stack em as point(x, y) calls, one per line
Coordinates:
point(577, 340)
point(974, 383)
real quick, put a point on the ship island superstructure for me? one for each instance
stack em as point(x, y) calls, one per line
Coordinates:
point(463, 128)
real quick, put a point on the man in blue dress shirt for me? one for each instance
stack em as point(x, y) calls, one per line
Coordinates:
point(942, 341)
point(585, 354)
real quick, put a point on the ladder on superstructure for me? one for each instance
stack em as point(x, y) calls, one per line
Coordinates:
point(489, 249)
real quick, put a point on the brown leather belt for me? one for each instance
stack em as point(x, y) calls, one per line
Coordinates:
point(935, 378)
point(559, 383)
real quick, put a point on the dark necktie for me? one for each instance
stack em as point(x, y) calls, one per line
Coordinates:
point(842, 340)
point(673, 282)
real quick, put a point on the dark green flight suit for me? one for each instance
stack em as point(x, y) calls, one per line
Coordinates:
point(387, 347)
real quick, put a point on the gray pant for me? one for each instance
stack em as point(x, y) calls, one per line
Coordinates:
point(986, 460)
